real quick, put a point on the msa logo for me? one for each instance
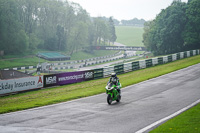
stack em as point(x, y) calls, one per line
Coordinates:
point(88, 75)
point(51, 80)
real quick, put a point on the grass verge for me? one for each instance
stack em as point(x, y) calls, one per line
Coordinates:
point(187, 122)
point(68, 92)
point(129, 35)
point(86, 55)
point(21, 62)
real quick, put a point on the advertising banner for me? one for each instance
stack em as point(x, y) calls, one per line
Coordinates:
point(20, 84)
point(68, 78)
point(127, 48)
point(50, 80)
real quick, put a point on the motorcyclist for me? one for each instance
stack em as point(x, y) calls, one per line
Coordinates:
point(115, 80)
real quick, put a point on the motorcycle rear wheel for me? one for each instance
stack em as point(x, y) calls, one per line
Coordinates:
point(109, 99)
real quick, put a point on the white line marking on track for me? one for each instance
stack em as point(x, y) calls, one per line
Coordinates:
point(167, 118)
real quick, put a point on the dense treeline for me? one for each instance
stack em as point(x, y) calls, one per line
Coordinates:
point(28, 25)
point(175, 29)
point(133, 22)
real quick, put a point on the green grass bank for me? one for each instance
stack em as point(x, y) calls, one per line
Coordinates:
point(129, 35)
point(86, 55)
point(74, 91)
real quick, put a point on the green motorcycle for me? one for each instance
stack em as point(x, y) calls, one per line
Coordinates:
point(113, 93)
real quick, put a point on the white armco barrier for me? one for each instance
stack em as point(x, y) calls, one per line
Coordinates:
point(194, 52)
point(127, 67)
point(155, 61)
point(142, 64)
point(165, 59)
point(107, 71)
point(174, 57)
point(188, 53)
point(20, 84)
point(181, 55)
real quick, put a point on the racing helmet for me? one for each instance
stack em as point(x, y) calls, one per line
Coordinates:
point(113, 75)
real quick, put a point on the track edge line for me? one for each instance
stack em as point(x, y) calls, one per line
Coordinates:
point(159, 122)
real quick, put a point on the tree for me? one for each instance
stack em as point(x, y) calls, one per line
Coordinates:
point(104, 30)
point(112, 36)
point(164, 34)
point(26, 25)
point(12, 36)
point(149, 36)
point(134, 22)
point(61, 35)
point(79, 37)
point(33, 43)
point(191, 33)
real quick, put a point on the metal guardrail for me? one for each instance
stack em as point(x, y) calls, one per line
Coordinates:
point(170, 58)
point(98, 73)
point(136, 65)
point(127, 67)
point(154, 61)
point(119, 69)
point(20, 68)
point(181, 55)
point(149, 62)
point(107, 71)
point(174, 57)
point(160, 60)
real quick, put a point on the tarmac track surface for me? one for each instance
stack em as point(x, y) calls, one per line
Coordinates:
point(141, 105)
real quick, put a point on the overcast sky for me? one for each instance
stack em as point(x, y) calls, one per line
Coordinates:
point(125, 9)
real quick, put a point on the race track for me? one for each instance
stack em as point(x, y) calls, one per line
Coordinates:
point(142, 104)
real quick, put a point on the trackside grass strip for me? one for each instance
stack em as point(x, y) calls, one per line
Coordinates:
point(69, 92)
point(187, 122)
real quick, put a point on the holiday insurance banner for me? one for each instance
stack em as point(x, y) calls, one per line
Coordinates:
point(20, 84)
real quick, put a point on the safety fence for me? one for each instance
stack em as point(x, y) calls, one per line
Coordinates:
point(36, 82)
point(136, 65)
point(21, 68)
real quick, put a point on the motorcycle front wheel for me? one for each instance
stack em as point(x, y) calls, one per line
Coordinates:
point(109, 99)
point(118, 98)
